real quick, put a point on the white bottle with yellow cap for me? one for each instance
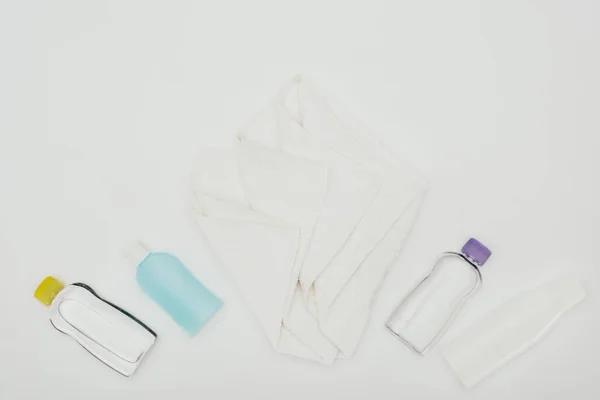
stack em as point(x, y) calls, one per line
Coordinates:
point(108, 332)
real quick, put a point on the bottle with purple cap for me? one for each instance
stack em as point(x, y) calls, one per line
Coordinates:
point(425, 314)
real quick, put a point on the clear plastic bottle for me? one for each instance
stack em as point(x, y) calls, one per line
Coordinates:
point(171, 285)
point(108, 332)
point(425, 314)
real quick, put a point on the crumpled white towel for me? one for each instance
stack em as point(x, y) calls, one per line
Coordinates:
point(307, 211)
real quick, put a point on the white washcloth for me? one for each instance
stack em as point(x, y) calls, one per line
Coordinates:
point(307, 211)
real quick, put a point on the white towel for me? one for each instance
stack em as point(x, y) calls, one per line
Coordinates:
point(307, 211)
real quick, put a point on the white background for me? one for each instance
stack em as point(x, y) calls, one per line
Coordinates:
point(104, 105)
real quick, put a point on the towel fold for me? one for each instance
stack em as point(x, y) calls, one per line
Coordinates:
point(307, 211)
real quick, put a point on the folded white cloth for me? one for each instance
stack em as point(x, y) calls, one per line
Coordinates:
point(307, 212)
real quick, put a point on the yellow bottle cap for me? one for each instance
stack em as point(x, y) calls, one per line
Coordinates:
point(47, 290)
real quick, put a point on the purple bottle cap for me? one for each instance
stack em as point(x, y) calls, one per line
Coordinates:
point(476, 251)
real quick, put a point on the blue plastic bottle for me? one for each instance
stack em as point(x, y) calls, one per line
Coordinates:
point(169, 283)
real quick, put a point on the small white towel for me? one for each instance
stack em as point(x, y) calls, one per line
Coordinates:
point(307, 211)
